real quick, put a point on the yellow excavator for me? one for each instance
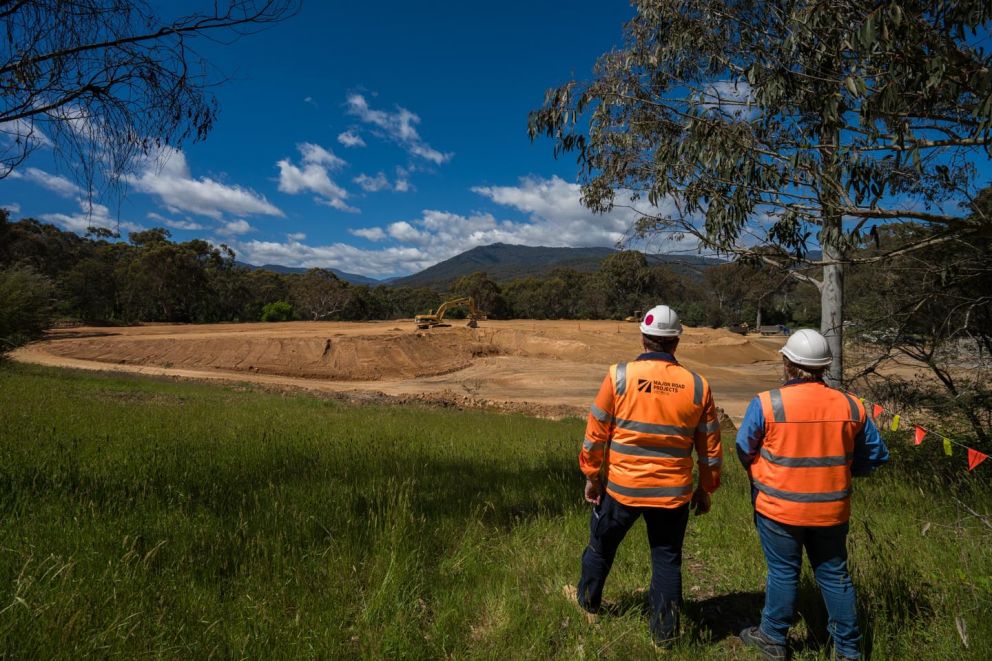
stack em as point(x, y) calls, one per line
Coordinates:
point(425, 321)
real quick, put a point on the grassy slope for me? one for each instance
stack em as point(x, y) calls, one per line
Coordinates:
point(144, 517)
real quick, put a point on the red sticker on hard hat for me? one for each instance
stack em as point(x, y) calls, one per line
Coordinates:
point(648, 320)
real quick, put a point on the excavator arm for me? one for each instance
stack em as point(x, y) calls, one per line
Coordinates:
point(455, 301)
point(425, 321)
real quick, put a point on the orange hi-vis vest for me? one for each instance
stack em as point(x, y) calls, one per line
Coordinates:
point(650, 414)
point(803, 471)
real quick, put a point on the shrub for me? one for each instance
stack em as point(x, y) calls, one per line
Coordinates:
point(278, 311)
point(25, 305)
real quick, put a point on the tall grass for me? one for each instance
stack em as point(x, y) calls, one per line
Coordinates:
point(149, 518)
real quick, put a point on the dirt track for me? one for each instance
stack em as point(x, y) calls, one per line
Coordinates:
point(544, 364)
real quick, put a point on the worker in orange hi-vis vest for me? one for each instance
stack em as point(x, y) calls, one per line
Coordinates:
point(648, 417)
point(801, 444)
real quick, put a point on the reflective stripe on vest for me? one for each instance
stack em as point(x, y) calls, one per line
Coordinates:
point(800, 497)
point(657, 408)
point(802, 472)
point(650, 492)
point(599, 414)
point(620, 378)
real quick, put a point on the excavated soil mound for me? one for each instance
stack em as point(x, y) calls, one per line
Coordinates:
point(338, 357)
point(531, 364)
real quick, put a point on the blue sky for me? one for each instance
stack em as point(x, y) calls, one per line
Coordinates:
point(378, 138)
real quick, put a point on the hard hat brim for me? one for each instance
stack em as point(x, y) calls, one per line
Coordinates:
point(668, 332)
point(805, 362)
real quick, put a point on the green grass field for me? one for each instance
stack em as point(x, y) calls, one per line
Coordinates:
point(149, 518)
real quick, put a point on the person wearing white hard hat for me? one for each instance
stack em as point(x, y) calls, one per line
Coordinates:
point(801, 444)
point(648, 417)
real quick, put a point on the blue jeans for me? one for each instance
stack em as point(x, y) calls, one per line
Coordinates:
point(666, 531)
point(826, 548)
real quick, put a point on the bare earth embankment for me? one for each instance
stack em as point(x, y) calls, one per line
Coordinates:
point(543, 367)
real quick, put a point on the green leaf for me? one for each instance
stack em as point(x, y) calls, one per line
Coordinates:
point(895, 13)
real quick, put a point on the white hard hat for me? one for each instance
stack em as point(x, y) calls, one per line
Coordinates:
point(808, 348)
point(661, 321)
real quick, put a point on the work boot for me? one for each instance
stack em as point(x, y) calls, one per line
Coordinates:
point(666, 644)
point(572, 594)
point(756, 638)
point(665, 627)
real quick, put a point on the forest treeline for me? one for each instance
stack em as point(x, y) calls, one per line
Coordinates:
point(151, 278)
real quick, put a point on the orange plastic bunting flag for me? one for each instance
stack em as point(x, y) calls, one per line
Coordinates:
point(974, 458)
point(920, 434)
point(876, 410)
point(947, 447)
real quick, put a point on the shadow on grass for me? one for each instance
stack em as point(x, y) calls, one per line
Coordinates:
point(724, 615)
point(705, 621)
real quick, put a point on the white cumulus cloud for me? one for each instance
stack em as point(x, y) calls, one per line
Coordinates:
point(173, 223)
point(312, 175)
point(53, 182)
point(90, 215)
point(370, 233)
point(12, 207)
point(313, 153)
point(235, 227)
point(372, 184)
point(399, 126)
point(350, 138)
point(395, 259)
point(24, 133)
point(167, 177)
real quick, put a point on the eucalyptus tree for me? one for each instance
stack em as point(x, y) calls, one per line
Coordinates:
point(104, 82)
point(800, 124)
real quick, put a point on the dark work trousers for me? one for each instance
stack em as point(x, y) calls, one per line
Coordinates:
point(666, 530)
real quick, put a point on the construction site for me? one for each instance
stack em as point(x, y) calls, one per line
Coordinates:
point(547, 368)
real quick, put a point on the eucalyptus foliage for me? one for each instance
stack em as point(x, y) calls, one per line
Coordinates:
point(793, 123)
point(105, 82)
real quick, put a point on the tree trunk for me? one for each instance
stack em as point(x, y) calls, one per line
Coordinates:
point(832, 309)
point(757, 321)
point(831, 237)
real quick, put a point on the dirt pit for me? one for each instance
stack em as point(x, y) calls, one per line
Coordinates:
point(547, 365)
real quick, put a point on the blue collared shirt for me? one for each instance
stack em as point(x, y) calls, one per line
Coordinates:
point(657, 355)
point(869, 448)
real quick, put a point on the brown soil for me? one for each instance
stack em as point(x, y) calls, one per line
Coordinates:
point(546, 366)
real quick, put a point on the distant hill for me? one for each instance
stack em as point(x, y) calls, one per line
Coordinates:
point(352, 278)
point(505, 262)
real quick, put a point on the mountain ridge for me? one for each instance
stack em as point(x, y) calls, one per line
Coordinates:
point(502, 261)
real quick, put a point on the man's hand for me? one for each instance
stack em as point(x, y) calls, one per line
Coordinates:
point(700, 501)
point(594, 492)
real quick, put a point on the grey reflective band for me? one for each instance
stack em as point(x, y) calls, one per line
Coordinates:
point(650, 451)
point(855, 414)
point(621, 378)
point(712, 462)
point(800, 497)
point(709, 427)
point(591, 445)
point(697, 395)
point(806, 462)
point(650, 492)
point(648, 428)
point(599, 413)
point(777, 409)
